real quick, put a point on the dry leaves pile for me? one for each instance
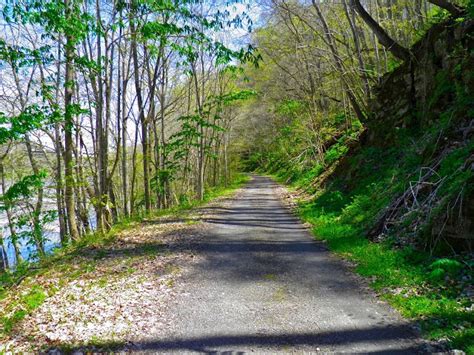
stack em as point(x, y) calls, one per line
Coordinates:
point(120, 293)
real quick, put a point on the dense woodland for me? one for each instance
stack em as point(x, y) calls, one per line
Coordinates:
point(113, 109)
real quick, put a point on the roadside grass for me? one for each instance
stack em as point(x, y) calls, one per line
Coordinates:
point(403, 277)
point(20, 292)
point(427, 287)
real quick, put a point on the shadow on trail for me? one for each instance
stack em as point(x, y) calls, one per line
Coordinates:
point(281, 253)
point(274, 223)
point(201, 246)
point(237, 343)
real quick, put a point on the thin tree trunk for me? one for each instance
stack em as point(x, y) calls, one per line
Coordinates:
point(162, 121)
point(11, 224)
point(134, 171)
point(59, 188)
point(37, 227)
point(201, 157)
point(143, 122)
point(68, 131)
point(123, 93)
point(3, 255)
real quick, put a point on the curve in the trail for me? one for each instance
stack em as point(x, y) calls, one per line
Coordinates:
point(265, 285)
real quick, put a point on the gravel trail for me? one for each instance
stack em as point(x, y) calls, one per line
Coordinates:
point(264, 285)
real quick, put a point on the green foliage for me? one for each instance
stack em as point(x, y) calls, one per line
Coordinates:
point(194, 28)
point(444, 267)
point(26, 303)
point(22, 189)
point(33, 117)
point(290, 108)
point(34, 298)
point(19, 57)
point(335, 152)
point(53, 16)
point(470, 8)
point(160, 179)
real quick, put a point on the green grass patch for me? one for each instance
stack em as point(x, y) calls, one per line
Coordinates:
point(25, 304)
point(420, 286)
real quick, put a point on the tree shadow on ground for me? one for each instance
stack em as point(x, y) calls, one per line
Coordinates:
point(382, 340)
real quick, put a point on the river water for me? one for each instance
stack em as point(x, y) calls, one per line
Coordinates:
point(27, 249)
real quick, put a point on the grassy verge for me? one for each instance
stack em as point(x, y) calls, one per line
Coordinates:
point(405, 277)
point(25, 289)
point(432, 288)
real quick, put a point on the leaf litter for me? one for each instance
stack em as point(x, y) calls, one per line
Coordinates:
point(112, 294)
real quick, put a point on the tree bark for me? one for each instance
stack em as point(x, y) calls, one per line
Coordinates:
point(3, 255)
point(11, 225)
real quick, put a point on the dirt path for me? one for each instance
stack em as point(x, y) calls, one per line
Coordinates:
point(249, 278)
point(263, 284)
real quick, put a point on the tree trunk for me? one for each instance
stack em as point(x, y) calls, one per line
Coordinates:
point(134, 171)
point(162, 129)
point(396, 49)
point(123, 82)
point(59, 187)
point(68, 130)
point(143, 122)
point(201, 157)
point(36, 220)
point(4, 266)
point(11, 225)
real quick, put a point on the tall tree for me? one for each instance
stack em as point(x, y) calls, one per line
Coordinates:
point(69, 49)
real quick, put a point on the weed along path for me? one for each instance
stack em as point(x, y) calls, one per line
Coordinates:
point(263, 284)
